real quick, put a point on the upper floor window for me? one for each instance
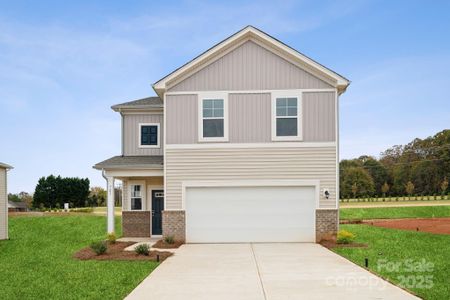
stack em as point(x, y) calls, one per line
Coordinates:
point(149, 135)
point(213, 121)
point(286, 123)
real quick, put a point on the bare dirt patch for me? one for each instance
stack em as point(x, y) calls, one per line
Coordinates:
point(431, 225)
point(161, 244)
point(117, 251)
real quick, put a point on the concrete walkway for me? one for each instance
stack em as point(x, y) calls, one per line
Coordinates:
point(262, 271)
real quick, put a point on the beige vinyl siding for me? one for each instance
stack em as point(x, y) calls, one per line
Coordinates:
point(319, 117)
point(182, 116)
point(3, 205)
point(250, 118)
point(250, 164)
point(131, 134)
point(249, 67)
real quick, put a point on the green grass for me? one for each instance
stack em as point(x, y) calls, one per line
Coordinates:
point(37, 262)
point(394, 212)
point(396, 246)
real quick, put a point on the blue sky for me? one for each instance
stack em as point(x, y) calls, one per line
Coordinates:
point(62, 65)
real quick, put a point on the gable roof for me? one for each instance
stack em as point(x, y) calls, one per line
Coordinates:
point(12, 204)
point(149, 102)
point(250, 33)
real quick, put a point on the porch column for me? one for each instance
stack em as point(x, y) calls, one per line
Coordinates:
point(110, 203)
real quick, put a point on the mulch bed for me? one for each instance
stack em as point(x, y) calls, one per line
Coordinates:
point(431, 225)
point(161, 244)
point(332, 244)
point(116, 252)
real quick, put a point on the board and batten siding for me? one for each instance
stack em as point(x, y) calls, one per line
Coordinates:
point(250, 118)
point(319, 117)
point(307, 163)
point(182, 119)
point(131, 134)
point(249, 67)
point(3, 205)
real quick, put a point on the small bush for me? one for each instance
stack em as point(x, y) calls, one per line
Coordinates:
point(111, 237)
point(169, 239)
point(99, 247)
point(142, 249)
point(345, 237)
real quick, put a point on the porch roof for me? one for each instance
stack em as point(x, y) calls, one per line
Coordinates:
point(131, 162)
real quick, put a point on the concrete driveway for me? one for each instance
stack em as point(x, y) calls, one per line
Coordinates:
point(262, 271)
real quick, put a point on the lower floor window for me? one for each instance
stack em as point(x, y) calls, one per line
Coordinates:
point(136, 197)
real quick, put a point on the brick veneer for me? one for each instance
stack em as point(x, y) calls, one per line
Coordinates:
point(136, 223)
point(174, 224)
point(327, 222)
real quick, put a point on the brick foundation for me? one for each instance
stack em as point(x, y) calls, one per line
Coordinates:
point(174, 224)
point(136, 223)
point(327, 223)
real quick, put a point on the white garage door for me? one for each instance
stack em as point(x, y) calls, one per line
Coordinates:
point(250, 214)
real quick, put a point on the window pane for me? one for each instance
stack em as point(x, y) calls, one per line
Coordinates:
point(287, 127)
point(292, 111)
point(218, 103)
point(136, 203)
point(207, 112)
point(292, 102)
point(208, 103)
point(281, 102)
point(218, 113)
point(149, 135)
point(213, 128)
point(281, 111)
point(136, 191)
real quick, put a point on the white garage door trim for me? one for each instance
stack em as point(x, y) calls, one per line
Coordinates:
point(255, 183)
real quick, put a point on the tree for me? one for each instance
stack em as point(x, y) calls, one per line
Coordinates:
point(359, 177)
point(97, 196)
point(444, 186)
point(409, 188)
point(13, 197)
point(54, 191)
point(385, 189)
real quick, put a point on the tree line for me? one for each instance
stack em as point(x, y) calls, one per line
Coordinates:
point(421, 167)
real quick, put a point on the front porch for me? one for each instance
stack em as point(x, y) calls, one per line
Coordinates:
point(142, 194)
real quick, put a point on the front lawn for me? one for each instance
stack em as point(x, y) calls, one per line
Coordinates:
point(391, 253)
point(394, 212)
point(37, 262)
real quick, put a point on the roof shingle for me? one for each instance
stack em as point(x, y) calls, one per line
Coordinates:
point(131, 162)
point(149, 102)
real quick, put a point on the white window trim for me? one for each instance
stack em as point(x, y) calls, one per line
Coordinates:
point(143, 194)
point(287, 94)
point(158, 145)
point(213, 95)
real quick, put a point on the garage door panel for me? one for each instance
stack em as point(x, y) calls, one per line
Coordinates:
point(250, 214)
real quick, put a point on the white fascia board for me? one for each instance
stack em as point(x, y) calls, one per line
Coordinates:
point(249, 31)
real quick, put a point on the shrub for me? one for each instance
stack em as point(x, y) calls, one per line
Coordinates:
point(169, 239)
point(142, 249)
point(111, 237)
point(99, 247)
point(345, 237)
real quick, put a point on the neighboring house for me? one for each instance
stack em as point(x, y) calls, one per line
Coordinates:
point(4, 168)
point(240, 145)
point(17, 206)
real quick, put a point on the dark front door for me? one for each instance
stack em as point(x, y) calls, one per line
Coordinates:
point(157, 208)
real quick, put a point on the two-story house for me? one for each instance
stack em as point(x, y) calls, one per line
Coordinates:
point(239, 145)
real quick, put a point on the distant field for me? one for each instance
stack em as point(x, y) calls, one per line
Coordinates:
point(394, 212)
